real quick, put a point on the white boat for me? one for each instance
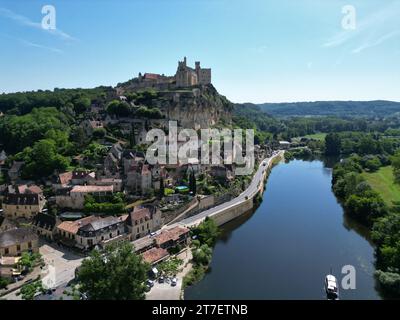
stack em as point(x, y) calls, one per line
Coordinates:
point(331, 287)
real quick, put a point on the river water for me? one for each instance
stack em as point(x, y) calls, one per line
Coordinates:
point(285, 248)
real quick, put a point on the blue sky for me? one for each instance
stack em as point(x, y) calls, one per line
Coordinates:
point(259, 50)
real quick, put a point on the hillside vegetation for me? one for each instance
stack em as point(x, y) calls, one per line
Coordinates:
point(378, 108)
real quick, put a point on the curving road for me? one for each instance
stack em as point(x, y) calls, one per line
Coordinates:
point(251, 191)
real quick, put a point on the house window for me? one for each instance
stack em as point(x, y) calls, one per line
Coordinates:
point(6, 251)
point(30, 245)
point(142, 228)
point(18, 247)
point(111, 235)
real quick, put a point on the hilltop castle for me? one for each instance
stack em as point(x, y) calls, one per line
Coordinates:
point(185, 76)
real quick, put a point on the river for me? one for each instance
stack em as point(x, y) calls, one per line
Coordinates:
point(285, 248)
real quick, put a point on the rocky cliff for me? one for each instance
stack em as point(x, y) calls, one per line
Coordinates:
point(195, 107)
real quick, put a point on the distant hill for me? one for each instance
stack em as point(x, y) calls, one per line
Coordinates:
point(378, 108)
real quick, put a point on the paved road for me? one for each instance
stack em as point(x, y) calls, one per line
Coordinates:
point(251, 190)
point(164, 291)
point(61, 264)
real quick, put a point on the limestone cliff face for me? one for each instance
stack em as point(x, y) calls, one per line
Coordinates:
point(194, 107)
point(198, 107)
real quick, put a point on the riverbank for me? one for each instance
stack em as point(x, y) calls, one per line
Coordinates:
point(165, 291)
point(253, 196)
point(285, 243)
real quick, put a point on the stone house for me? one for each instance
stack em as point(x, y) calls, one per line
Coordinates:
point(139, 178)
point(224, 172)
point(88, 232)
point(16, 241)
point(62, 180)
point(44, 225)
point(80, 177)
point(89, 126)
point(172, 237)
point(15, 170)
point(155, 255)
point(111, 165)
point(75, 198)
point(23, 205)
point(142, 220)
point(115, 182)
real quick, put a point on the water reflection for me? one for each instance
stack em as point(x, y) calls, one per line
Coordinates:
point(284, 248)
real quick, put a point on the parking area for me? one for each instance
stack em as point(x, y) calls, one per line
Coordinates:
point(60, 263)
point(164, 291)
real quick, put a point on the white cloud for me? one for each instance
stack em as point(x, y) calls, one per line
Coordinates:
point(369, 44)
point(370, 31)
point(22, 20)
point(36, 45)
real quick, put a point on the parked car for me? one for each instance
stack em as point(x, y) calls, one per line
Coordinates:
point(161, 279)
point(150, 283)
point(174, 282)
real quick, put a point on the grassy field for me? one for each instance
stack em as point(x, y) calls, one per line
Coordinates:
point(316, 136)
point(382, 181)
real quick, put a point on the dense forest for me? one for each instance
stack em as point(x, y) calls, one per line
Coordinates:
point(377, 108)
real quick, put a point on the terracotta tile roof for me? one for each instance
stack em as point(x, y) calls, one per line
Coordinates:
point(154, 254)
point(141, 213)
point(35, 189)
point(170, 234)
point(151, 76)
point(73, 226)
point(90, 188)
point(123, 217)
point(96, 124)
point(65, 177)
point(22, 188)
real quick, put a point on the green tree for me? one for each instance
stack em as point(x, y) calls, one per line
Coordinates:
point(207, 232)
point(119, 108)
point(332, 144)
point(395, 159)
point(118, 273)
point(42, 159)
point(192, 182)
point(28, 291)
point(81, 104)
point(161, 192)
point(373, 164)
point(202, 255)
